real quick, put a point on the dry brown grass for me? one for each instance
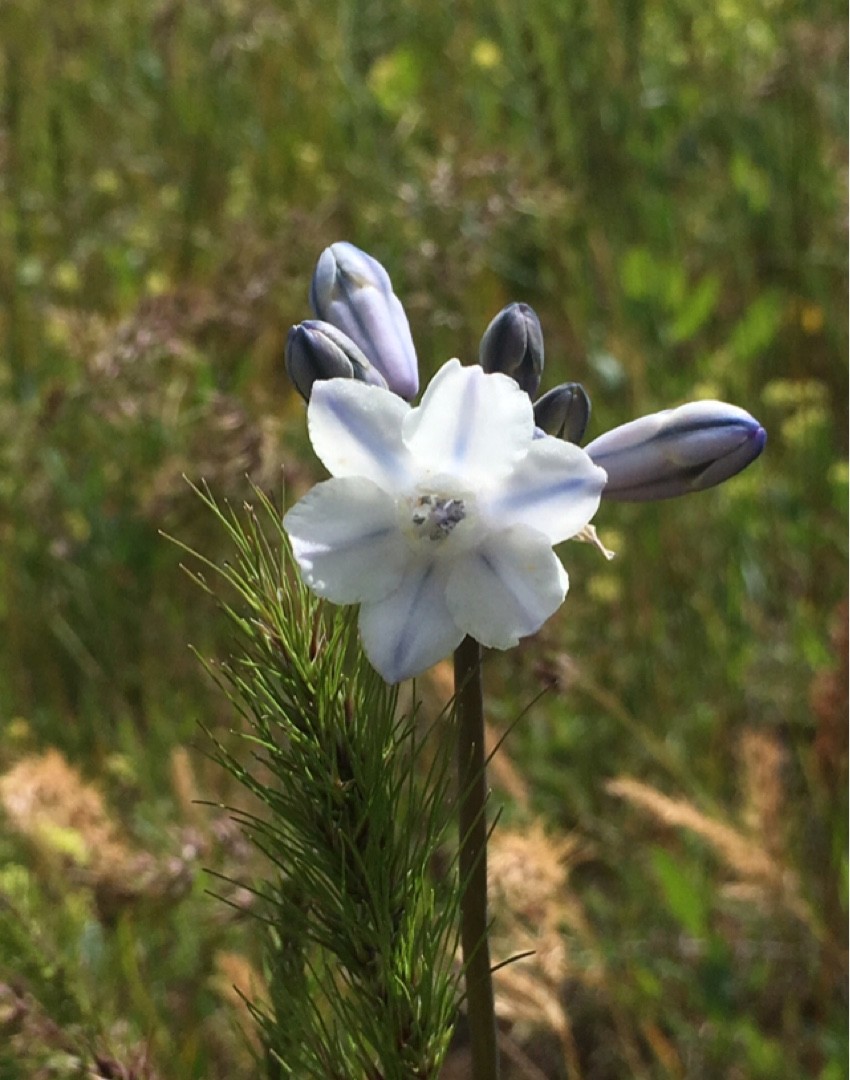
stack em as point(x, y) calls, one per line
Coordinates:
point(68, 826)
point(47, 801)
point(238, 982)
point(762, 763)
point(535, 911)
point(759, 875)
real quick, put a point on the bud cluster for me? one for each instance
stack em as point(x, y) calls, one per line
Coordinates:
point(659, 456)
point(361, 332)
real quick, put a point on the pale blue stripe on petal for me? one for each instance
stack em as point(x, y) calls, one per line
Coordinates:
point(555, 490)
point(470, 425)
point(356, 431)
point(412, 629)
point(345, 538)
point(507, 588)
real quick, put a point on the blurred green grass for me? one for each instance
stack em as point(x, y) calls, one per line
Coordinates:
point(665, 184)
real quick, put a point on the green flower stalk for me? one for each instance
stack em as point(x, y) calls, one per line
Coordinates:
point(472, 841)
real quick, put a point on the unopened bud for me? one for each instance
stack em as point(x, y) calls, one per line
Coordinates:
point(513, 345)
point(563, 412)
point(677, 451)
point(353, 292)
point(317, 350)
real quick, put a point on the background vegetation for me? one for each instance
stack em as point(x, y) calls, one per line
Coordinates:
point(665, 183)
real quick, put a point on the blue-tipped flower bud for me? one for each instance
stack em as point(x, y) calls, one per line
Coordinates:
point(677, 451)
point(317, 350)
point(563, 412)
point(513, 345)
point(353, 292)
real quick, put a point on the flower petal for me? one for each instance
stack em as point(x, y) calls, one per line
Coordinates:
point(556, 490)
point(411, 629)
point(469, 425)
point(507, 588)
point(355, 430)
point(346, 540)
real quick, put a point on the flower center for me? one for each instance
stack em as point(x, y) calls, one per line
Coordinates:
point(434, 516)
point(439, 518)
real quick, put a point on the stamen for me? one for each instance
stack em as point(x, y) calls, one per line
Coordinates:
point(588, 536)
point(435, 517)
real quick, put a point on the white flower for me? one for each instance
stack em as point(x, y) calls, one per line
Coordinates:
point(439, 519)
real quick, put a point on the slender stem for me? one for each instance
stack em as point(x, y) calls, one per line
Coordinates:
point(472, 796)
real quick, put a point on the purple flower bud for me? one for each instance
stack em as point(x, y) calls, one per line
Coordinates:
point(317, 350)
point(513, 345)
point(353, 292)
point(563, 412)
point(677, 451)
